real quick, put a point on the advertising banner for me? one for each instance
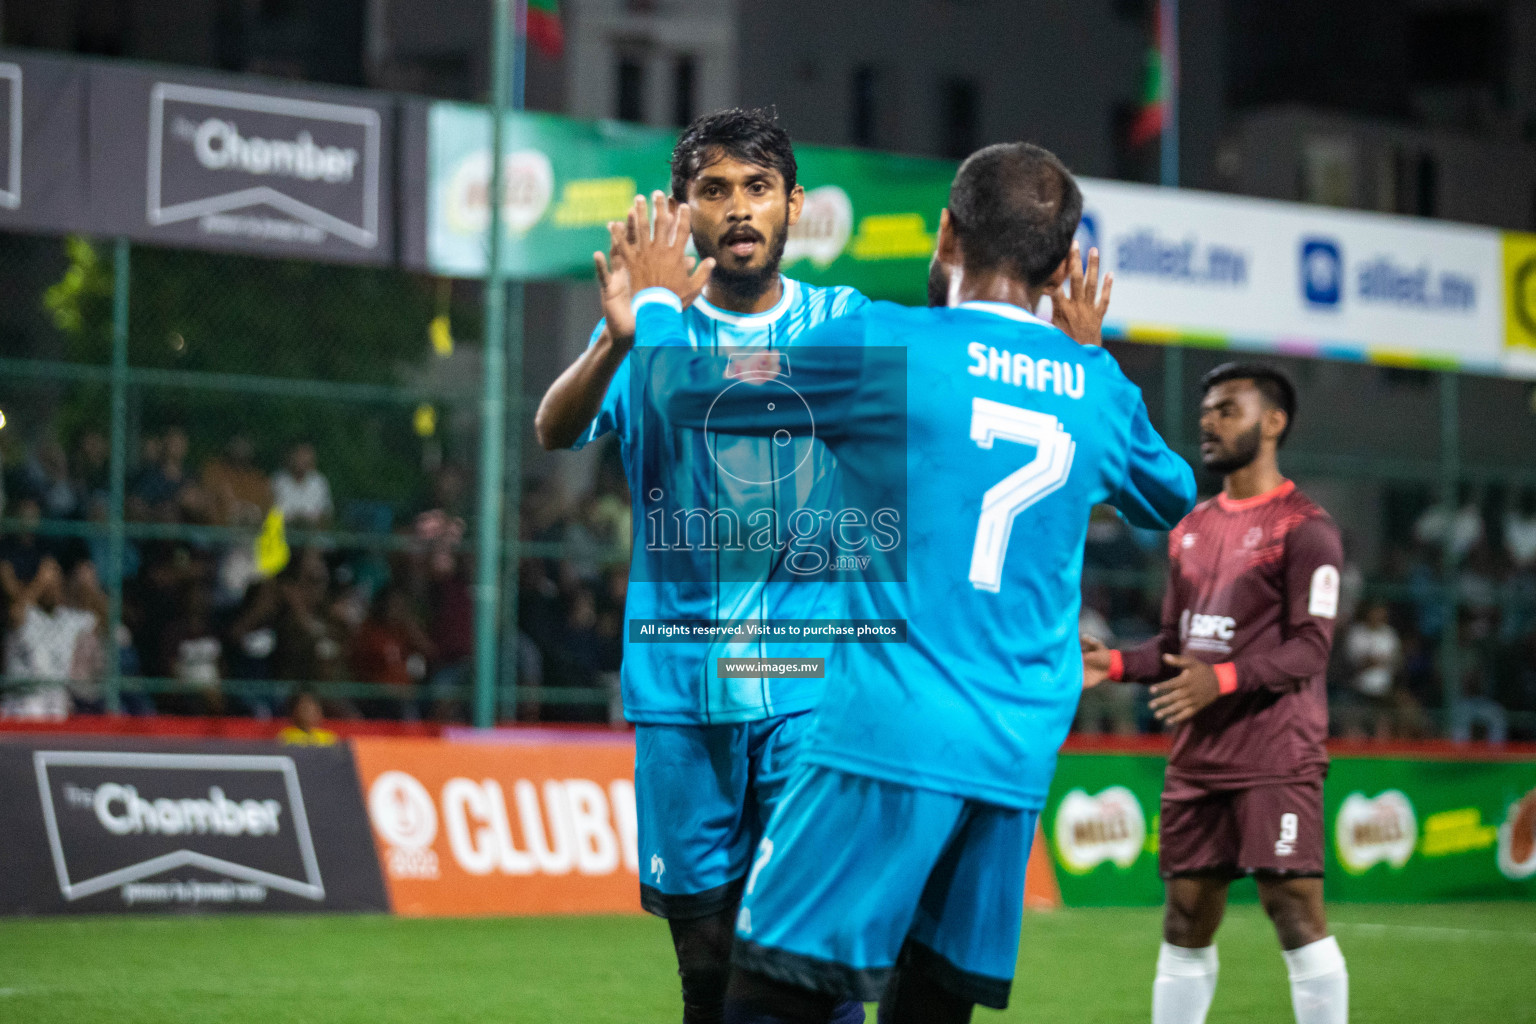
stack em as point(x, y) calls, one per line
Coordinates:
point(216, 163)
point(1520, 304)
point(1397, 830)
point(140, 826)
point(1298, 280)
point(42, 131)
point(1190, 267)
point(868, 220)
point(518, 827)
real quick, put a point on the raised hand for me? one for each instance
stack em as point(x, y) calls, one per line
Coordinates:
point(1080, 313)
point(653, 250)
point(614, 291)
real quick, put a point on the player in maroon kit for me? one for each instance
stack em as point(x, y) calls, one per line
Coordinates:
point(1253, 588)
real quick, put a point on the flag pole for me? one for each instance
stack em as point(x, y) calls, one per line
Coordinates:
point(1168, 153)
point(513, 484)
point(493, 412)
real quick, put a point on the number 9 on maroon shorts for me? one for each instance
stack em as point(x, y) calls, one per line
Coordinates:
point(1268, 830)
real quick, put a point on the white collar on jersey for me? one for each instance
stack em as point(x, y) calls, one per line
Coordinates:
point(768, 316)
point(1004, 309)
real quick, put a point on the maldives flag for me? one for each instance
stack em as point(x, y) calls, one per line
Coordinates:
point(1148, 123)
point(544, 29)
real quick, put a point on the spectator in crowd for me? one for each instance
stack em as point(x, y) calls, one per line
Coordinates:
point(391, 647)
point(1475, 708)
point(194, 651)
point(241, 492)
point(1461, 527)
point(83, 593)
point(1374, 654)
point(300, 491)
point(309, 644)
point(1520, 532)
point(305, 718)
point(49, 645)
point(152, 494)
point(46, 478)
point(91, 469)
point(23, 551)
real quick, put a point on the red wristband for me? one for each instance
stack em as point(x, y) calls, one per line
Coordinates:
point(1116, 666)
point(1226, 677)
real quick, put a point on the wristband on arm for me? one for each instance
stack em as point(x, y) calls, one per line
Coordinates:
point(1116, 666)
point(1226, 677)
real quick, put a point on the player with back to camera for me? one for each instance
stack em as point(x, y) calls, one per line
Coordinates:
point(894, 865)
point(1238, 672)
point(711, 755)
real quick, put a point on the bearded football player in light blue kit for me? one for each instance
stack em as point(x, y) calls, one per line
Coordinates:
point(712, 754)
point(894, 865)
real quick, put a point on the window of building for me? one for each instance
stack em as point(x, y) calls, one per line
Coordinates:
point(629, 105)
point(861, 121)
point(959, 117)
point(684, 89)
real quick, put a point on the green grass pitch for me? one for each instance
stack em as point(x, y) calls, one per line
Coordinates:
point(1417, 964)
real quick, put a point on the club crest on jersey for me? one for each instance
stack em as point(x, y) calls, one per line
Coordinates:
point(1188, 541)
point(1208, 632)
point(1253, 537)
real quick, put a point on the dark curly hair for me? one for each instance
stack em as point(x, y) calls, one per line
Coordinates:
point(752, 136)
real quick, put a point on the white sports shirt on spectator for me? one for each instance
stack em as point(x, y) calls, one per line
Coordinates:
point(1368, 647)
point(44, 648)
point(307, 499)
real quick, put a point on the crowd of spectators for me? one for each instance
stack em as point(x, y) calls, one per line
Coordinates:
point(206, 631)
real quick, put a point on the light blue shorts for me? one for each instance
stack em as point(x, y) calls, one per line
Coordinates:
point(703, 794)
point(852, 870)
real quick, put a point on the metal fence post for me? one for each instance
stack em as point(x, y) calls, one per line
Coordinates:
point(516, 322)
point(493, 400)
point(119, 474)
point(1450, 469)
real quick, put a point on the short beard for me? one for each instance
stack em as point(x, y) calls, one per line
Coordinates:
point(938, 284)
point(1245, 448)
point(746, 286)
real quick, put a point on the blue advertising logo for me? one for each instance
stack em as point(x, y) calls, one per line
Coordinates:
point(1322, 272)
point(1087, 237)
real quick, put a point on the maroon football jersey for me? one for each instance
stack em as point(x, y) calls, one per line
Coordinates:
point(1253, 589)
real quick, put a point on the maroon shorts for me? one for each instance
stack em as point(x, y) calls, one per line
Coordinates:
point(1265, 830)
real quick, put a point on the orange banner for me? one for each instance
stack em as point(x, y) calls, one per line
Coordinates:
point(527, 827)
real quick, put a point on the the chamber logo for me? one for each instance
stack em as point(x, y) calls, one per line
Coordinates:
point(127, 820)
point(265, 167)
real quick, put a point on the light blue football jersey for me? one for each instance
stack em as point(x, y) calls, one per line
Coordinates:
point(1011, 433)
point(671, 470)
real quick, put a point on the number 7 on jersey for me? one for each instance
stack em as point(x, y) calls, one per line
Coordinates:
point(1037, 478)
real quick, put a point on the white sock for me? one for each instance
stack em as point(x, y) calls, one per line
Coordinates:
point(1319, 983)
point(1186, 981)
